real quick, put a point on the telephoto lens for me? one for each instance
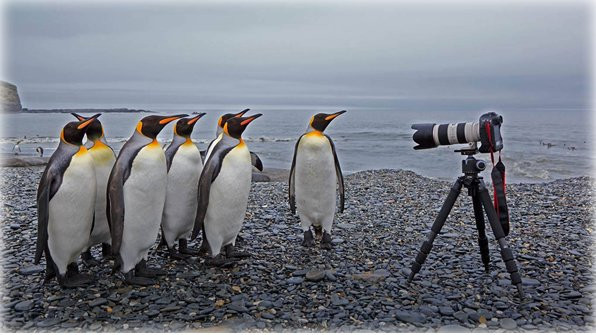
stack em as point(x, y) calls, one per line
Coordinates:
point(486, 130)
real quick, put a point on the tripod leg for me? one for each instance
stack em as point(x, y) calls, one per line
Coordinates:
point(480, 226)
point(495, 224)
point(436, 228)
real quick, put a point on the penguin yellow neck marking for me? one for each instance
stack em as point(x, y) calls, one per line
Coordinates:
point(241, 144)
point(97, 145)
point(82, 151)
point(154, 144)
point(188, 141)
point(315, 133)
point(140, 127)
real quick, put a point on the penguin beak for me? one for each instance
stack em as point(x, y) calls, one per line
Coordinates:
point(249, 119)
point(79, 117)
point(334, 115)
point(168, 119)
point(242, 113)
point(196, 118)
point(86, 122)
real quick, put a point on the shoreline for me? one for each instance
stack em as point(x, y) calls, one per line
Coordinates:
point(267, 175)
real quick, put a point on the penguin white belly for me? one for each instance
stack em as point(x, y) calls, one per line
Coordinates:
point(144, 198)
point(181, 199)
point(228, 198)
point(71, 212)
point(103, 160)
point(315, 180)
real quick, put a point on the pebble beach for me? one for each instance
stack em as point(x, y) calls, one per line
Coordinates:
point(360, 285)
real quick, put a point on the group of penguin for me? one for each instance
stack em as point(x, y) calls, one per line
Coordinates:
point(89, 196)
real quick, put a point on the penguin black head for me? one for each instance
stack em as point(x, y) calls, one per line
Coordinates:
point(74, 131)
point(185, 126)
point(151, 125)
point(235, 126)
point(320, 121)
point(94, 130)
point(224, 118)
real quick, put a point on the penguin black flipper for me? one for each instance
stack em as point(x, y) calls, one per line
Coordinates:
point(340, 177)
point(171, 151)
point(48, 186)
point(291, 188)
point(115, 190)
point(210, 172)
point(256, 161)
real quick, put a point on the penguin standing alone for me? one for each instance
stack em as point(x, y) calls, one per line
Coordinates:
point(65, 206)
point(184, 169)
point(223, 191)
point(313, 177)
point(136, 197)
point(103, 161)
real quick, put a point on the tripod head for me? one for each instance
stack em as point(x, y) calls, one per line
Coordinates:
point(471, 166)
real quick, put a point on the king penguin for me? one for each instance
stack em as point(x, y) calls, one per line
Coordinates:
point(223, 192)
point(136, 198)
point(65, 206)
point(184, 169)
point(313, 177)
point(103, 161)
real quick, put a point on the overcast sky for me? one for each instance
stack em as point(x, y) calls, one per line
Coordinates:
point(359, 55)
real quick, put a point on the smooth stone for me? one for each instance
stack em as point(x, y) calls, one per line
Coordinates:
point(530, 282)
point(237, 306)
point(461, 316)
point(452, 329)
point(24, 306)
point(315, 275)
point(98, 302)
point(31, 270)
point(410, 317)
point(508, 324)
point(295, 280)
point(446, 310)
point(47, 322)
point(571, 295)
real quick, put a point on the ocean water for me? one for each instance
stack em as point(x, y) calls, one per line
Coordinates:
point(364, 139)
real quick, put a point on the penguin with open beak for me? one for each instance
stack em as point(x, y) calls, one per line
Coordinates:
point(65, 206)
point(103, 161)
point(314, 175)
point(223, 192)
point(136, 197)
point(184, 169)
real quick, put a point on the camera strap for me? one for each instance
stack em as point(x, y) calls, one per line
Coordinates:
point(498, 178)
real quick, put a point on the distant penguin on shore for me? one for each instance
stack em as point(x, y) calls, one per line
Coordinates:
point(314, 175)
point(136, 198)
point(223, 192)
point(103, 161)
point(65, 206)
point(184, 169)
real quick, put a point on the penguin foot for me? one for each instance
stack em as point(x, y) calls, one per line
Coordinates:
point(326, 241)
point(231, 253)
point(318, 231)
point(203, 250)
point(142, 270)
point(220, 261)
point(72, 280)
point(184, 249)
point(88, 258)
point(308, 241)
point(131, 279)
point(175, 255)
point(72, 268)
point(106, 251)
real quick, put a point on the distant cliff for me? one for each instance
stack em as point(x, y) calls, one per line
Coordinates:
point(9, 98)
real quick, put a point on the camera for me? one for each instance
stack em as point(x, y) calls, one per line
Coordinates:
point(487, 130)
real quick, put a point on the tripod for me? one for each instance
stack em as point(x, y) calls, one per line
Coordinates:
point(480, 198)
